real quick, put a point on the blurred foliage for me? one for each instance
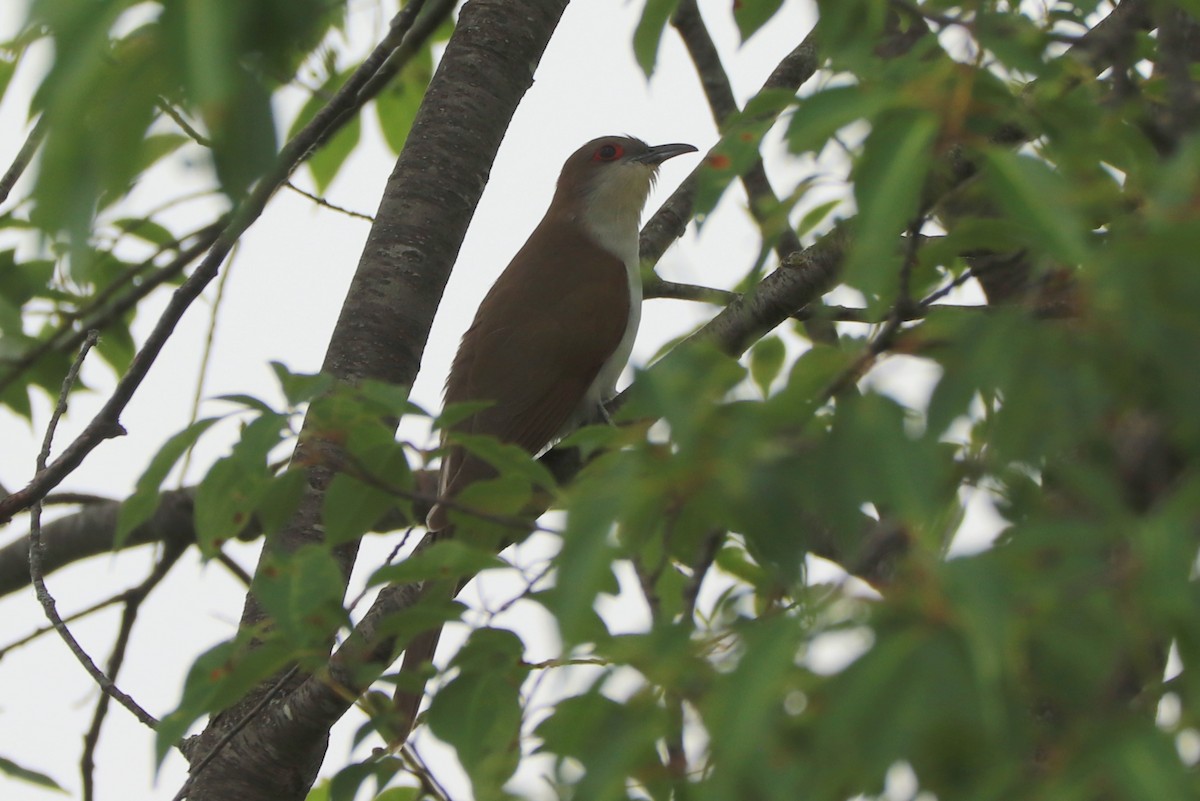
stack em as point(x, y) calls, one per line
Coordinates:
point(136, 92)
point(975, 146)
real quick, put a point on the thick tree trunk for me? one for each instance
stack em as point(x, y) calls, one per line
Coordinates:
point(385, 321)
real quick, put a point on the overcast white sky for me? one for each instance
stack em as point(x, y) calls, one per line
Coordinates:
point(281, 301)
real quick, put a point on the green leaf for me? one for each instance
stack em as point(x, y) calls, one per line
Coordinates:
point(145, 229)
point(479, 712)
point(1040, 200)
point(249, 401)
point(8, 66)
point(140, 506)
point(346, 783)
point(396, 106)
point(889, 179)
point(218, 677)
point(445, 560)
point(300, 388)
point(648, 34)
point(750, 15)
point(280, 499)
point(738, 150)
point(818, 117)
point(766, 360)
point(399, 794)
point(15, 771)
point(625, 753)
point(357, 499)
point(231, 491)
point(510, 461)
point(302, 592)
point(328, 159)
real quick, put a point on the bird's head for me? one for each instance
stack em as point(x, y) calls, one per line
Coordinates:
point(612, 175)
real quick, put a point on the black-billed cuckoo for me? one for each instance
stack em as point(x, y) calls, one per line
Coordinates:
point(553, 334)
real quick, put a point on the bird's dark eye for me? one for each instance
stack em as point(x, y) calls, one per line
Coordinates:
point(608, 153)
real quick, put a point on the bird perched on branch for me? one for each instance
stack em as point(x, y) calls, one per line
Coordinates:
point(553, 334)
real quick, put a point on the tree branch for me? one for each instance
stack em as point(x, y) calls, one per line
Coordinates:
point(35, 555)
point(381, 334)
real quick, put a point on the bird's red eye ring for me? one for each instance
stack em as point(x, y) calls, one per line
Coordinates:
point(608, 153)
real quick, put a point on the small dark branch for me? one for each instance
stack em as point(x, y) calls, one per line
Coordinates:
point(1178, 46)
point(704, 561)
point(23, 158)
point(902, 308)
point(938, 294)
point(801, 279)
point(133, 601)
point(320, 201)
point(721, 101)
point(415, 31)
point(430, 786)
point(168, 108)
point(106, 423)
point(655, 287)
point(35, 553)
point(1110, 41)
point(233, 567)
point(82, 613)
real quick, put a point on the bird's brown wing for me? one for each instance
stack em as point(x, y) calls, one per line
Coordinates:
point(574, 312)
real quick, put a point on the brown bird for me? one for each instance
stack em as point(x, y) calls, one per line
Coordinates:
point(553, 334)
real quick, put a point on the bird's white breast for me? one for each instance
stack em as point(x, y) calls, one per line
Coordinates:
point(618, 234)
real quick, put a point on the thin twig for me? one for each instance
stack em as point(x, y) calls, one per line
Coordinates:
point(23, 158)
point(71, 618)
point(320, 201)
point(430, 786)
point(210, 335)
point(133, 602)
point(166, 107)
point(233, 567)
point(35, 551)
point(936, 295)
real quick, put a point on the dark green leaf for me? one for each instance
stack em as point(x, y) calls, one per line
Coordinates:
point(216, 679)
point(750, 15)
point(15, 771)
point(889, 178)
point(1039, 200)
point(649, 31)
point(766, 360)
point(231, 491)
point(479, 712)
point(396, 106)
point(300, 388)
point(303, 593)
point(443, 561)
point(140, 506)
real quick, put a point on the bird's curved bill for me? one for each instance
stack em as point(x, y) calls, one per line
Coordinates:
point(659, 153)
